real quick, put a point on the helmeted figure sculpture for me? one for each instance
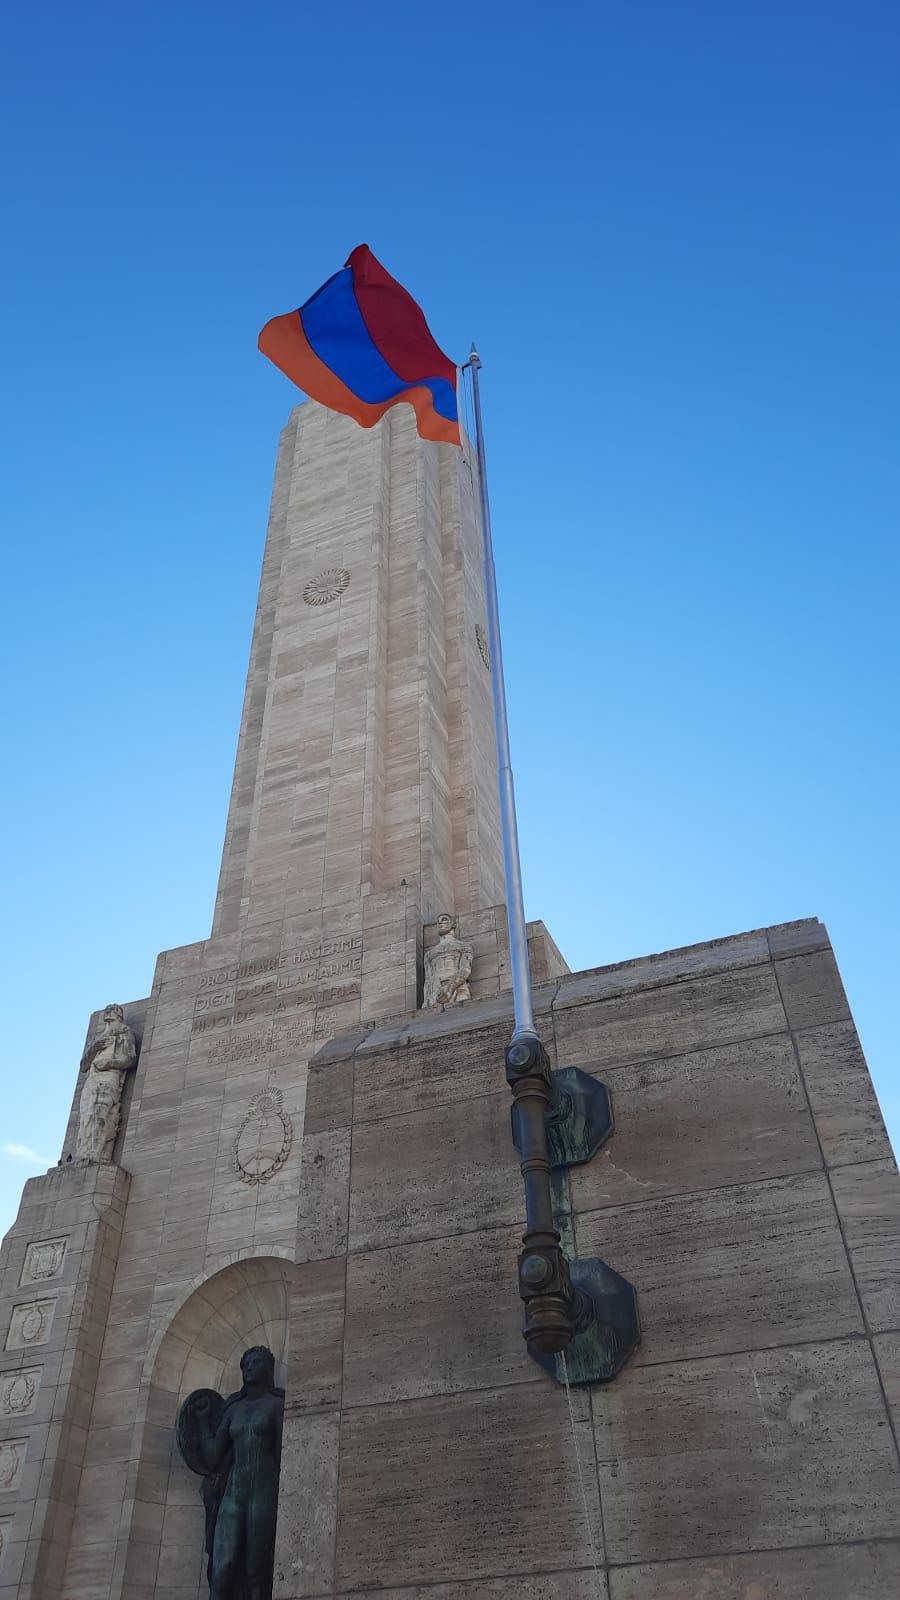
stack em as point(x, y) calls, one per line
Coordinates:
point(448, 967)
point(107, 1057)
point(236, 1445)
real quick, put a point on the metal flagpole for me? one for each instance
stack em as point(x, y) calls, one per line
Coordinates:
point(557, 1311)
point(512, 866)
point(544, 1283)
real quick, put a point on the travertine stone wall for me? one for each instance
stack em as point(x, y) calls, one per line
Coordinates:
point(57, 1267)
point(228, 1020)
point(749, 1192)
point(366, 752)
point(364, 805)
point(748, 1452)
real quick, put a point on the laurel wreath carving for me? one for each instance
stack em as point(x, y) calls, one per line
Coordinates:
point(269, 1103)
point(17, 1393)
point(326, 586)
point(9, 1462)
point(481, 641)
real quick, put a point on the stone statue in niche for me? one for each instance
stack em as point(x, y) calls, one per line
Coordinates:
point(235, 1444)
point(107, 1057)
point(448, 967)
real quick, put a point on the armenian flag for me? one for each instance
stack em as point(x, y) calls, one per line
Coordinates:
point(360, 345)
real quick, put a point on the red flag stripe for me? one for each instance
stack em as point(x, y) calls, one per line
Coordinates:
point(395, 322)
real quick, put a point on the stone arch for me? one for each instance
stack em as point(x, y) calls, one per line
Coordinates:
point(219, 1316)
point(216, 1269)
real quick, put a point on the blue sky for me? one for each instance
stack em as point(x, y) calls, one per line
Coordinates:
point(673, 229)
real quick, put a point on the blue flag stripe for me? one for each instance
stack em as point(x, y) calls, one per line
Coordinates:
point(336, 331)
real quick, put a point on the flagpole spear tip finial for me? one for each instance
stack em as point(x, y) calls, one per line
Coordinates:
point(474, 358)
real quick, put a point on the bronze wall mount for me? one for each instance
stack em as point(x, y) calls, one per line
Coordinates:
point(582, 1309)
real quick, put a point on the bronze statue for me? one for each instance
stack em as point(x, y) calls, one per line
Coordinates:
point(236, 1445)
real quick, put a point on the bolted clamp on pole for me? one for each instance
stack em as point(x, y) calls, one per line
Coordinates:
point(580, 1309)
point(544, 1282)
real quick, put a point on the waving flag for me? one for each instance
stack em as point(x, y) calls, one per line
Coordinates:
point(361, 344)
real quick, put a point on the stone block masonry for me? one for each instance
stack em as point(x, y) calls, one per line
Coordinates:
point(749, 1193)
point(364, 803)
point(366, 753)
point(57, 1269)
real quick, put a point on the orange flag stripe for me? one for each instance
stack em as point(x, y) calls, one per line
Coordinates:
point(285, 343)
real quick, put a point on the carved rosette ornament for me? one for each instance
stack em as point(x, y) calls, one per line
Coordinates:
point(448, 967)
point(326, 586)
point(264, 1138)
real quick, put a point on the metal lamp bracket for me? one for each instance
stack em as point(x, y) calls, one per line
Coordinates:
point(582, 1308)
point(607, 1326)
point(578, 1120)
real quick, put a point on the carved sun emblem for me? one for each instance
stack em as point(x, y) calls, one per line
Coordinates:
point(34, 1323)
point(264, 1138)
point(326, 586)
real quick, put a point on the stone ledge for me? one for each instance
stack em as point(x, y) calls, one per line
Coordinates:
point(668, 967)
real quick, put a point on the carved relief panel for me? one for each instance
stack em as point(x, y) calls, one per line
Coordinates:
point(43, 1260)
point(12, 1460)
point(264, 1138)
point(18, 1391)
point(30, 1324)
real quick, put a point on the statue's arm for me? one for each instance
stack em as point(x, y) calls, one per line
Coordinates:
point(131, 1050)
point(119, 1061)
point(90, 1050)
point(214, 1443)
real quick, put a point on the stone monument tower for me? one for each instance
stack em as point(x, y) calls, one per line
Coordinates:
point(287, 1198)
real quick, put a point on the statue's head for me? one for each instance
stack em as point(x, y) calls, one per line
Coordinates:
point(113, 1014)
point(445, 925)
point(258, 1366)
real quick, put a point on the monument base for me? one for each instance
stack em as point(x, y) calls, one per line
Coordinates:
point(366, 1231)
point(747, 1192)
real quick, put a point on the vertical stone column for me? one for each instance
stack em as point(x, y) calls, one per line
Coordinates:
point(308, 1495)
point(366, 757)
point(230, 905)
point(56, 1274)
